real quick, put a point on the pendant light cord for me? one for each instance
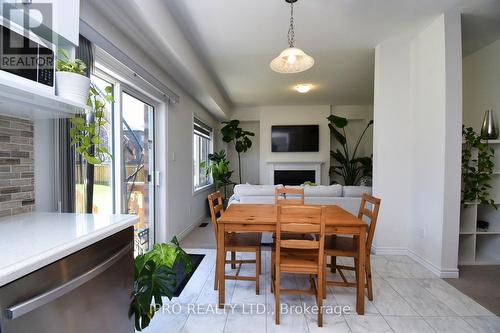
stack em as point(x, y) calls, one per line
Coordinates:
point(291, 30)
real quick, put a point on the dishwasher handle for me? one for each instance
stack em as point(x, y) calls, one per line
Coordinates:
point(31, 304)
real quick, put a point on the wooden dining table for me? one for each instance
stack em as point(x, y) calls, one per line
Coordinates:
point(263, 218)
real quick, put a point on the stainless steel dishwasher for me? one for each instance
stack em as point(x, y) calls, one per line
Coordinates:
point(86, 292)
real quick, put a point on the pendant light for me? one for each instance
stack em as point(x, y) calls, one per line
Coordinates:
point(292, 59)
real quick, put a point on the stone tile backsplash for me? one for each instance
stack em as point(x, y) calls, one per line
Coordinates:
point(17, 179)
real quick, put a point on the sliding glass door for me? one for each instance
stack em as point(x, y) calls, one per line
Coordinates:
point(138, 167)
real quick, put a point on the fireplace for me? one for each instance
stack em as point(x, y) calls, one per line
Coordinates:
point(294, 173)
point(294, 177)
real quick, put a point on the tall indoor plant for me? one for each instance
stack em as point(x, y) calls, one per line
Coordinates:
point(218, 168)
point(476, 171)
point(232, 132)
point(154, 278)
point(349, 166)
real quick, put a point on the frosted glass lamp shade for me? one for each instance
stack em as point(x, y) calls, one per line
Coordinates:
point(292, 60)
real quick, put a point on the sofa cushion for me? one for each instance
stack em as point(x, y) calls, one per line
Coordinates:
point(356, 191)
point(323, 191)
point(320, 190)
point(242, 190)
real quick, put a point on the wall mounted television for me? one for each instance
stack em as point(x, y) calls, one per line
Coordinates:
point(295, 138)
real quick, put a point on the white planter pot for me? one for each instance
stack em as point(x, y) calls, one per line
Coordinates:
point(72, 86)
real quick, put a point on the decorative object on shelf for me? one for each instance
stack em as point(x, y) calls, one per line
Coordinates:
point(71, 82)
point(155, 278)
point(231, 132)
point(292, 59)
point(218, 167)
point(309, 183)
point(350, 167)
point(489, 128)
point(483, 225)
point(86, 131)
point(476, 172)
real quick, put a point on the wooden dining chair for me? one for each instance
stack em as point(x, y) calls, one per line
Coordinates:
point(348, 247)
point(236, 242)
point(299, 256)
point(289, 196)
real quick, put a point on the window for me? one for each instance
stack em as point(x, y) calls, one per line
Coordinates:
point(202, 146)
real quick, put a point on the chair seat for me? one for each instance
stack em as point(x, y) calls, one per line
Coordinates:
point(243, 241)
point(341, 247)
point(298, 261)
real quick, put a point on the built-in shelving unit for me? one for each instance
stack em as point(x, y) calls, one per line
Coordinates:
point(479, 247)
point(32, 104)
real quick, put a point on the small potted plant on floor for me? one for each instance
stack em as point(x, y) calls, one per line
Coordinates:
point(71, 82)
point(155, 278)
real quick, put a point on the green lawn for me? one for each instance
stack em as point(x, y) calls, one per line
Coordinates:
point(103, 198)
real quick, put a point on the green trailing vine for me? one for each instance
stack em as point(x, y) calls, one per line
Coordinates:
point(86, 130)
point(476, 171)
point(65, 64)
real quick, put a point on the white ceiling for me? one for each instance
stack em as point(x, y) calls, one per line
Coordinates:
point(237, 39)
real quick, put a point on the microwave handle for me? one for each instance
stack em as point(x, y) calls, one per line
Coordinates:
point(31, 304)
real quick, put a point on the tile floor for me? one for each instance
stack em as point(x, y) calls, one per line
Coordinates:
point(408, 298)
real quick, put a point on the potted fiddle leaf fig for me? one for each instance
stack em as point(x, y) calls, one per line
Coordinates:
point(232, 132)
point(154, 278)
point(71, 81)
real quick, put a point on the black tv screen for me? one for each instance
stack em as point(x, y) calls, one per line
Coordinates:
point(295, 138)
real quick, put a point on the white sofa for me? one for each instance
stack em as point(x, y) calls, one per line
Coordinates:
point(347, 197)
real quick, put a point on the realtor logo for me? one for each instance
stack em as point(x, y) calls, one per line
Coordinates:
point(22, 20)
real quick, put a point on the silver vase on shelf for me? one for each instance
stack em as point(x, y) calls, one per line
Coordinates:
point(489, 129)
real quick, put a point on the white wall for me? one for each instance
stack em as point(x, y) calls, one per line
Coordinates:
point(418, 133)
point(391, 144)
point(179, 209)
point(480, 85)
point(289, 115)
point(44, 156)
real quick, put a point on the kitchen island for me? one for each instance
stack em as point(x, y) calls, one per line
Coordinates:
point(81, 263)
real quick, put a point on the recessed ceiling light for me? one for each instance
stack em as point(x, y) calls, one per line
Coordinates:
point(303, 88)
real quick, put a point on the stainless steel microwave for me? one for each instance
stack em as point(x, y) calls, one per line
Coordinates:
point(26, 60)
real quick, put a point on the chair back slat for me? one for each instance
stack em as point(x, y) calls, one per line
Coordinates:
point(216, 209)
point(299, 244)
point(371, 214)
point(299, 220)
point(289, 196)
point(300, 228)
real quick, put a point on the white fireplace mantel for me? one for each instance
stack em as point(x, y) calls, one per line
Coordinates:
point(314, 165)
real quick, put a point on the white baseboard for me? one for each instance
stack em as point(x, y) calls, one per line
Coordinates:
point(396, 251)
point(442, 273)
point(190, 228)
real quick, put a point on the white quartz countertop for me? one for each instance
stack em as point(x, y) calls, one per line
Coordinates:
point(31, 241)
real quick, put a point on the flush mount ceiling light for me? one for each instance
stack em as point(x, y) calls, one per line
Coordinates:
point(303, 88)
point(292, 59)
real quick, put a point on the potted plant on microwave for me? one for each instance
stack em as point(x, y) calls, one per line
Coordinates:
point(71, 82)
